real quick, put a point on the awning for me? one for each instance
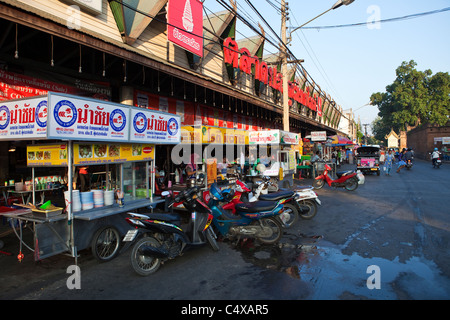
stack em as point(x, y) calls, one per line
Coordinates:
point(338, 140)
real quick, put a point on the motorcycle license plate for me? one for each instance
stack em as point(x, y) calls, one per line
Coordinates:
point(131, 234)
point(318, 201)
point(438, 161)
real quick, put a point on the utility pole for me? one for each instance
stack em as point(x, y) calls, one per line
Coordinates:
point(284, 13)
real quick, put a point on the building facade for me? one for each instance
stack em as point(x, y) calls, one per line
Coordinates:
point(124, 51)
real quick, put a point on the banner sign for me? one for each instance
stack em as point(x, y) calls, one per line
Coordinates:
point(264, 137)
point(18, 86)
point(24, 119)
point(318, 135)
point(47, 155)
point(104, 153)
point(154, 127)
point(289, 138)
point(71, 117)
point(185, 25)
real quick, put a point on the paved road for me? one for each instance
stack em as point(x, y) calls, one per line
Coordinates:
point(400, 224)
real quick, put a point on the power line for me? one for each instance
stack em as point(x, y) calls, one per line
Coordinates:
point(411, 16)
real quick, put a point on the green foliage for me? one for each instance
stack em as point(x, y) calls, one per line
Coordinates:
point(415, 97)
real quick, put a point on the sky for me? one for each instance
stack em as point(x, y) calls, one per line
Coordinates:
point(351, 63)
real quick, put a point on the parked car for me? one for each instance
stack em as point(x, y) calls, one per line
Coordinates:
point(368, 159)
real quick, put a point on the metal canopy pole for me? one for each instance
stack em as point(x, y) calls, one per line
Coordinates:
point(70, 187)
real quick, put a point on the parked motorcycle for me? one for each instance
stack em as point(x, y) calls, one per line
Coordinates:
point(309, 198)
point(163, 236)
point(347, 179)
point(259, 219)
point(306, 199)
point(241, 192)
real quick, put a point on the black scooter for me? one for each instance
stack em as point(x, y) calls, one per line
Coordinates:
point(162, 236)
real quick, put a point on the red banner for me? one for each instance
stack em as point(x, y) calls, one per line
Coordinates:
point(185, 25)
point(18, 86)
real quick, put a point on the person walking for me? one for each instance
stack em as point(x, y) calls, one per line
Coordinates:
point(388, 160)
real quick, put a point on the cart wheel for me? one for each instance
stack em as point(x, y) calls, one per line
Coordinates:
point(105, 243)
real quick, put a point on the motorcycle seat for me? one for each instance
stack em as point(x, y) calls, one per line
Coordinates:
point(255, 207)
point(343, 173)
point(164, 217)
point(276, 195)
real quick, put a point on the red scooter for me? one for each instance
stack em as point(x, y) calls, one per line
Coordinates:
point(346, 179)
point(291, 209)
point(240, 188)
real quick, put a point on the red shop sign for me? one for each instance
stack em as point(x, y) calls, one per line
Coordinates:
point(185, 25)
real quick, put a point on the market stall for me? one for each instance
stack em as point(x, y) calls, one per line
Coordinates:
point(113, 144)
point(273, 149)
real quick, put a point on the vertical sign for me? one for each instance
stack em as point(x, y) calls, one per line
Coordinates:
point(185, 25)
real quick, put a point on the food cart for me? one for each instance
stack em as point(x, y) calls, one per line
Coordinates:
point(275, 150)
point(116, 141)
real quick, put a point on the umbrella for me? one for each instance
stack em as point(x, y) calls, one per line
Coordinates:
point(338, 140)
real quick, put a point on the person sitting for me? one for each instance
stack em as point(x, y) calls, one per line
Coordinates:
point(435, 155)
point(316, 157)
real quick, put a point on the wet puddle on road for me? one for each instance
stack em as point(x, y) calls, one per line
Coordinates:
point(326, 273)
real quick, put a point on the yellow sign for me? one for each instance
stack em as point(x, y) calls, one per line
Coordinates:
point(224, 136)
point(191, 134)
point(241, 137)
point(102, 153)
point(212, 135)
point(292, 163)
point(211, 170)
point(47, 155)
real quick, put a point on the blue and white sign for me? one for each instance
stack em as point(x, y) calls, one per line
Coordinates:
point(24, 119)
point(79, 118)
point(151, 126)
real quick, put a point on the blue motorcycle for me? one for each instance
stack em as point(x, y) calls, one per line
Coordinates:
point(259, 219)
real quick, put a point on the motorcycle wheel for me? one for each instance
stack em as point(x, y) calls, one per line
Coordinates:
point(293, 215)
point(351, 184)
point(105, 244)
point(144, 265)
point(211, 237)
point(277, 230)
point(312, 209)
point(318, 184)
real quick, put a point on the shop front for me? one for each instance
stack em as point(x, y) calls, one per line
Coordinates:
point(95, 161)
point(273, 153)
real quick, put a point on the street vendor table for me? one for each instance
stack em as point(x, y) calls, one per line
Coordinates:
point(120, 138)
point(97, 213)
point(30, 192)
point(52, 234)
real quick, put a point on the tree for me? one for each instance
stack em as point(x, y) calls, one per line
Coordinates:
point(415, 97)
point(379, 130)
